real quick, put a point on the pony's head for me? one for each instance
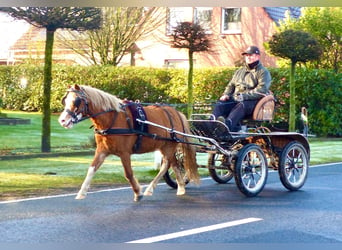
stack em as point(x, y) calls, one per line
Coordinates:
point(75, 106)
point(81, 102)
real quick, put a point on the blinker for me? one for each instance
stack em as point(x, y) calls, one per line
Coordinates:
point(77, 102)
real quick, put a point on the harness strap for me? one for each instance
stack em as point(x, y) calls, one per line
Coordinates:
point(127, 131)
point(130, 130)
point(173, 135)
point(137, 111)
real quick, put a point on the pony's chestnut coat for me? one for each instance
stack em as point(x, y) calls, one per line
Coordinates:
point(107, 111)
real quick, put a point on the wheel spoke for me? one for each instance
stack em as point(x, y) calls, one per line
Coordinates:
point(293, 166)
point(251, 164)
point(254, 181)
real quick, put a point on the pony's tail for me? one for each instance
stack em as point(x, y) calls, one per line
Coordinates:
point(189, 152)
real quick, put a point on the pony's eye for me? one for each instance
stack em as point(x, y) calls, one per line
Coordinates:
point(77, 102)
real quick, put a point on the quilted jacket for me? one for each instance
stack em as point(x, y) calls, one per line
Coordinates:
point(249, 84)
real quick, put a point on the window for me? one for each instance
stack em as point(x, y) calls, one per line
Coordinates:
point(175, 16)
point(202, 16)
point(231, 20)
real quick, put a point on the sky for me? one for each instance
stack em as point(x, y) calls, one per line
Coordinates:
point(10, 31)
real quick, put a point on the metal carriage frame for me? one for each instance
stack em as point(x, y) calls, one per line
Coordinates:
point(247, 156)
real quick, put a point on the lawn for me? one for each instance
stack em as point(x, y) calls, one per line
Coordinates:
point(27, 137)
point(46, 175)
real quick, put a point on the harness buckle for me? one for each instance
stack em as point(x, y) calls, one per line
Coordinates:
point(100, 132)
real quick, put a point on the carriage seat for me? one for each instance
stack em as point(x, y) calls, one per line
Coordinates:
point(264, 109)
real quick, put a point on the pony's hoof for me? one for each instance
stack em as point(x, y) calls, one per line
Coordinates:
point(80, 197)
point(148, 193)
point(138, 198)
point(181, 192)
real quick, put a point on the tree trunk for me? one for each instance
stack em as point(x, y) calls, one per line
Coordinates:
point(292, 115)
point(46, 120)
point(190, 88)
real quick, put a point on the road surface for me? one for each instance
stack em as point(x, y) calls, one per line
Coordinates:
point(209, 213)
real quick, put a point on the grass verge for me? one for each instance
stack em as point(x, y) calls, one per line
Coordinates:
point(27, 177)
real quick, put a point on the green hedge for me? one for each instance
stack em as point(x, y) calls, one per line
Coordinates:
point(318, 90)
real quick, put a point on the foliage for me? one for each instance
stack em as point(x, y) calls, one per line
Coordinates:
point(53, 18)
point(16, 96)
point(324, 24)
point(298, 46)
point(190, 36)
point(318, 90)
point(321, 92)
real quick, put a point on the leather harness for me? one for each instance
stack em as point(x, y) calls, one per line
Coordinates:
point(134, 127)
point(138, 128)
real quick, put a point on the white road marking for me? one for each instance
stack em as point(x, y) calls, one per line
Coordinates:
point(195, 231)
point(74, 194)
point(122, 188)
point(62, 195)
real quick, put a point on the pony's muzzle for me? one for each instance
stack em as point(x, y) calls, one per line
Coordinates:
point(65, 120)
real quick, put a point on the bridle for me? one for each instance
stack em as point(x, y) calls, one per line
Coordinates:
point(85, 112)
point(80, 97)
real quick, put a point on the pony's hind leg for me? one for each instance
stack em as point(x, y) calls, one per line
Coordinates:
point(167, 162)
point(126, 163)
point(97, 162)
point(163, 168)
point(180, 181)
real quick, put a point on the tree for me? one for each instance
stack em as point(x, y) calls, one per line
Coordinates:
point(298, 46)
point(324, 24)
point(193, 37)
point(53, 18)
point(122, 28)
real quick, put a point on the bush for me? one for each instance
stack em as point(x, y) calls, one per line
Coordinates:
point(318, 90)
point(321, 92)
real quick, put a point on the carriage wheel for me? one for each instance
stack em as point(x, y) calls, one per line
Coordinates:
point(293, 166)
point(170, 176)
point(218, 170)
point(251, 170)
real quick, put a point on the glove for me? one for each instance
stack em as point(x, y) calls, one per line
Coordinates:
point(238, 98)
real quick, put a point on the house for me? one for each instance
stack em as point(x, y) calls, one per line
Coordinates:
point(230, 29)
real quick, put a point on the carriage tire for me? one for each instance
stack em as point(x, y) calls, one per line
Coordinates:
point(171, 181)
point(251, 170)
point(293, 166)
point(170, 177)
point(221, 176)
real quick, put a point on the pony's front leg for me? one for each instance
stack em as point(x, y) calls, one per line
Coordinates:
point(126, 163)
point(86, 183)
point(97, 162)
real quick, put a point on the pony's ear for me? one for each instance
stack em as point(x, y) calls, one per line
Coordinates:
point(77, 87)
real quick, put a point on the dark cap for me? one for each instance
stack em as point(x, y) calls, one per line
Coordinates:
point(252, 50)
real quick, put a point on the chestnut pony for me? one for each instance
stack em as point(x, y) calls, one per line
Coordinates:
point(114, 125)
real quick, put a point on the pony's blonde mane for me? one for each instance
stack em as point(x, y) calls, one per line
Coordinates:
point(101, 99)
